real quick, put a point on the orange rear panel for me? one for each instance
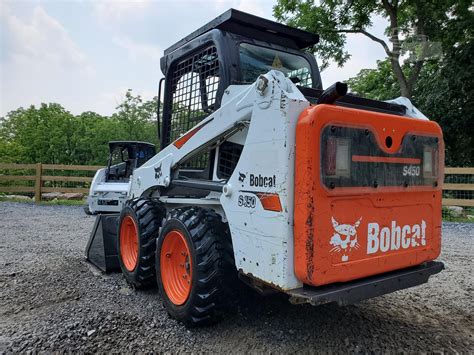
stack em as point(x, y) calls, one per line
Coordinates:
point(344, 232)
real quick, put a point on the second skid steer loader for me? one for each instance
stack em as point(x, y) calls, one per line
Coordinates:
point(324, 196)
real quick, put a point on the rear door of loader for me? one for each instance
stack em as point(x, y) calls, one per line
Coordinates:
point(367, 193)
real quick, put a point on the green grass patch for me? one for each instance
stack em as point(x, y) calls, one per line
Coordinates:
point(65, 202)
point(46, 203)
point(458, 219)
point(458, 216)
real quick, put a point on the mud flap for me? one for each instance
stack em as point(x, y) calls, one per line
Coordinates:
point(101, 249)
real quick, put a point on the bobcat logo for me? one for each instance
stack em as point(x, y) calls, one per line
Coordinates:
point(344, 238)
point(242, 177)
point(158, 172)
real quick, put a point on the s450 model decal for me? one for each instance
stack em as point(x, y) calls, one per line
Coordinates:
point(247, 201)
point(411, 170)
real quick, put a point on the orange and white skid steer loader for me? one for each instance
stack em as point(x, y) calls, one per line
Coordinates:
point(325, 196)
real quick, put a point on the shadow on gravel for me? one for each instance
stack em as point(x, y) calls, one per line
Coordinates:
point(376, 325)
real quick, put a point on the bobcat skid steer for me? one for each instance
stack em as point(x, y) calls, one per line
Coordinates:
point(324, 196)
point(110, 185)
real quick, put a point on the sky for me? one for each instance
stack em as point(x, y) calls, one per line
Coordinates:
point(85, 54)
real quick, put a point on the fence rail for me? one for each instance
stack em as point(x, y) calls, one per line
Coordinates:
point(41, 182)
point(457, 189)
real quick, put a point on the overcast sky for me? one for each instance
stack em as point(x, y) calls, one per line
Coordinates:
point(86, 54)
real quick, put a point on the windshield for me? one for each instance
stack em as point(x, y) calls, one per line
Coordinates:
point(255, 60)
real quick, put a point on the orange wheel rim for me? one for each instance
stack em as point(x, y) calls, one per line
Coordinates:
point(129, 243)
point(176, 267)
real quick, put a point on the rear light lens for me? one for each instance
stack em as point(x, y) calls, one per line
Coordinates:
point(354, 157)
point(330, 166)
point(430, 162)
point(338, 160)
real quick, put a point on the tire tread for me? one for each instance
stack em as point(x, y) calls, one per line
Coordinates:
point(214, 265)
point(149, 214)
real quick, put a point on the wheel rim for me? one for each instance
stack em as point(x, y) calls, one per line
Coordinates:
point(129, 243)
point(176, 267)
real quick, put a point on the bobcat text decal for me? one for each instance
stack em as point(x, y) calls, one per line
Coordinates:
point(395, 237)
point(379, 239)
point(262, 181)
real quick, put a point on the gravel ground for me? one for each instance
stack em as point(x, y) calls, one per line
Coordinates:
point(51, 299)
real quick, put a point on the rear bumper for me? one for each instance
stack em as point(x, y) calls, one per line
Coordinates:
point(354, 291)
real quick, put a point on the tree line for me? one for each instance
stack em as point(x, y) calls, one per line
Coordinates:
point(50, 134)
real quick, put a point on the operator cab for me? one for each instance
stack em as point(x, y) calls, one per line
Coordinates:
point(233, 49)
point(126, 156)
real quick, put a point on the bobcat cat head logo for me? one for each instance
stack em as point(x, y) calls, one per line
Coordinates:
point(158, 172)
point(344, 238)
point(242, 177)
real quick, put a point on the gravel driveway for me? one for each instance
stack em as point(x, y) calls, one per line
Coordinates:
point(51, 299)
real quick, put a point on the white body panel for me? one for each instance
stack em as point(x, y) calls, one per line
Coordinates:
point(262, 239)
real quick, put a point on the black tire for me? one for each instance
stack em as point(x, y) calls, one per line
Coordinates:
point(148, 215)
point(212, 260)
point(87, 211)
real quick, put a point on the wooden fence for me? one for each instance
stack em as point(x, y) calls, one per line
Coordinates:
point(458, 187)
point(39, 178)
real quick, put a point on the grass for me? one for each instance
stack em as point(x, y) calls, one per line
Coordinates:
point(450, 216)
point(457, 219)
point(65, 202)
point(46, 203)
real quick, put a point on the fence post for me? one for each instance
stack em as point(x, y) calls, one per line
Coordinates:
point(38, 183)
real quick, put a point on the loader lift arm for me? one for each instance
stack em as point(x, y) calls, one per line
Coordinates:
point(234, 115)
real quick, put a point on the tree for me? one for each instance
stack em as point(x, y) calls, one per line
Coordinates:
point(43, 134)
point(138, 117)
point(376, 84)
point(446, 94)
point(93, 132)
point(50, 134)
point(414, 28)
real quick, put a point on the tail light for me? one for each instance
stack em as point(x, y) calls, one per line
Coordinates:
point(430, 162)
point(353, 157)
point(338, 160)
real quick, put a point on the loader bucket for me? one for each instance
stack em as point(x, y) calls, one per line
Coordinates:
point(101, 249)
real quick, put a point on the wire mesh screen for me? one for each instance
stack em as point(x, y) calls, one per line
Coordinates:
point(458, 194)
point(194, 83)
point(229, 154)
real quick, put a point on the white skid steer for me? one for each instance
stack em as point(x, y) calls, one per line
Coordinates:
point(325, 196)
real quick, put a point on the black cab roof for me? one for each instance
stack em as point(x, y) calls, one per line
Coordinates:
point(252, 26)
